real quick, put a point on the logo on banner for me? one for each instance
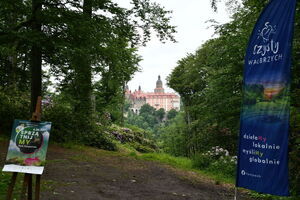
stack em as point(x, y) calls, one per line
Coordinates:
point(266, 51)
point(28, 139)
point(266, 32)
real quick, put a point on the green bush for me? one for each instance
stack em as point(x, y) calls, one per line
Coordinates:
point(100, 140)
point(13, 105)
point(69, 126)
point(216, 160)
point(201, 161)
point(227, 168)
point(141, 148)
point(137, 138)
point(294, 152)
point(64, 127)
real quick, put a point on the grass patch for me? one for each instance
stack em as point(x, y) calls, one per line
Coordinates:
point(185, 164)
point(5, 178)
point(179, 162)
point(217, 175)
point(4, 182)
point(126, 149)
point(270, 197)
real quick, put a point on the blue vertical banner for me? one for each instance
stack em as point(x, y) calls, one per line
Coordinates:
point(264, 128)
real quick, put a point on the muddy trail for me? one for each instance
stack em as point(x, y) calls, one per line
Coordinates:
point(91, 174)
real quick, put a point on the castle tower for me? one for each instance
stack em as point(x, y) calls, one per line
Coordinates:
point(159, 86)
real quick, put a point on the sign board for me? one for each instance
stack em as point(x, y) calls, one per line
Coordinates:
point(27, 147)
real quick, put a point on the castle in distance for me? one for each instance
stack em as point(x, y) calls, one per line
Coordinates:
point(157, 99)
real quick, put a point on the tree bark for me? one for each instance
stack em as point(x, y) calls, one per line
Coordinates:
point(12, 58)
point(36, 55)
point(82, 66)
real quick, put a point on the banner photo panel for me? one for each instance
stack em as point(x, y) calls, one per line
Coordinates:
point(264, 127)
point(27, 147)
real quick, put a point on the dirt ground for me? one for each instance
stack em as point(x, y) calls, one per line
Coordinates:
point(100, 175)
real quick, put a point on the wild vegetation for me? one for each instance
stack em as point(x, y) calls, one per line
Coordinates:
point(90, 48)
point(209, 82)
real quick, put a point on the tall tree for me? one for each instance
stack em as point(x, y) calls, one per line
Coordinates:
point(81, 62)
point(36, 53)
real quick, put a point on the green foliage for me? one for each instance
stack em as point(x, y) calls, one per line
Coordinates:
point(5, 179)
point(135, 137)
point(99, 139)
point(148, 118)
point(294, 164)
point(209, 82)
point(78, 41)
point(217, 160)
point(63, 121)
point(146, 109)
point(14, 105)
point(141, 148)
point(171, 114)
point(201, 161)
point(66, 127)
point(294, 153)
point(181, 162)
point(173, 137)
point(160, 114)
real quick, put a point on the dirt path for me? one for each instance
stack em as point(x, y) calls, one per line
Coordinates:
point(101, 175)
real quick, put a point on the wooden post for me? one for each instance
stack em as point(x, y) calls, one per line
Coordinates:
point(36, 116)
point(37, 187)
point(24, 187)
point(29, 187)
point(11, 186)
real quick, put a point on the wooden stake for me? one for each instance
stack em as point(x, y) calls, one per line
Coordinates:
point(29, 194)
point(24, 187)
point(37, 187)
point(11, 186)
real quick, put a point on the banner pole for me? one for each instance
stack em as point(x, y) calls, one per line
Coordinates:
point(235, 193)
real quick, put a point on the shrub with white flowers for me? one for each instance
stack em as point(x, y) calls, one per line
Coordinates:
point(216, 159)
point(218, 153)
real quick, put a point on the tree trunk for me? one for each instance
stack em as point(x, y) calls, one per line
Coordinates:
point(123, 102)
point(12, 58)
point(82, 66)
point(36, 55)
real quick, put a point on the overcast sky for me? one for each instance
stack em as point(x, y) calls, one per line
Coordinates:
point(190, 17)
